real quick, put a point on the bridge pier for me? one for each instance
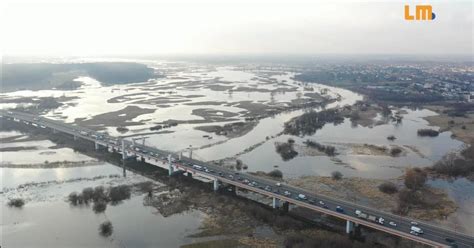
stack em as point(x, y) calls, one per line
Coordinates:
point(170, 166)
point(96, 145)
point(349, 227)
point(275, 203)
point(216, 185)
point(124, 157)
point(75, 137)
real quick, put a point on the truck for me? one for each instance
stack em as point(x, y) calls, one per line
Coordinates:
point(372, 218)
point(416, 229)
point(361, 215)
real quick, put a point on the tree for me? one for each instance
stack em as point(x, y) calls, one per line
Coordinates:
point(106, 229)
point(276, 173)
point(415, 178)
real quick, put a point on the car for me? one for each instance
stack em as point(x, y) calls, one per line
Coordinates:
point(239, 178)
point(231, 177)
point(414, 233)
point(321, 203)
point(325, 206)
point(287, 193)
point(449, 240)
point(413, 223)
point(381, 221)
point(246, 181)
point(278, 184)
point(392, 223)
point(302, 197)
point(267, 188)
point(339, 209)
point(311, 201)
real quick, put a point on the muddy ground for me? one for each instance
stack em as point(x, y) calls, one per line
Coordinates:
point(366, 192)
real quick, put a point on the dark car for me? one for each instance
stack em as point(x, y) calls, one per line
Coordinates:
point(339, 209)
point(449, 240)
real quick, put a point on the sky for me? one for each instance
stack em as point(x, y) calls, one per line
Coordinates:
point(104, 27)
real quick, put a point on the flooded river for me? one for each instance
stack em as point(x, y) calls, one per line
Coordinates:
point(136, 225)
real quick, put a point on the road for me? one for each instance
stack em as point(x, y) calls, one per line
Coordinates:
point(432, 235)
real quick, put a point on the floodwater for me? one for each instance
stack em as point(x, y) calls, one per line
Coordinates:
point(57, 224)
point(136, 225)
point(462, 191)
point(47, 220)
point(428, 150)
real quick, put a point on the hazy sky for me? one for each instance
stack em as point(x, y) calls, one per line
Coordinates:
point(252, 27)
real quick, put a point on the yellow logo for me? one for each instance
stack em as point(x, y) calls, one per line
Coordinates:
point(422, 12)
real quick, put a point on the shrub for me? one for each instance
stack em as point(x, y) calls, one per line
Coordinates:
point(395, 151)
point(73, 198)
point(238, 164)
point(146, 186)
point(99, 194)
point(454, 165)
point(87, 194)
point(276, 173)
point(119, 193)
point(16, 202)
point(99, 206)
point(427, 132)
point(388, 188)
point(106, 229)
point(336, 175)
point(415, 178)
point(286, 151)
point(391, 137)
point(329, 150)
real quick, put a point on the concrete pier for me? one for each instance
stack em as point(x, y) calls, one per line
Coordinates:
point(275, 202)
point(349, 227)
point(216, 185)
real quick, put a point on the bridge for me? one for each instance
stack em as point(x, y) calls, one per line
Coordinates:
point(282, 195)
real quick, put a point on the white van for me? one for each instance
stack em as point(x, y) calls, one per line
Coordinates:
point(416, 229)
point(302, 197)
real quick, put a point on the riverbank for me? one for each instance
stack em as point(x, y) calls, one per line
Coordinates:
point(462, 127)
point(366, 192)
